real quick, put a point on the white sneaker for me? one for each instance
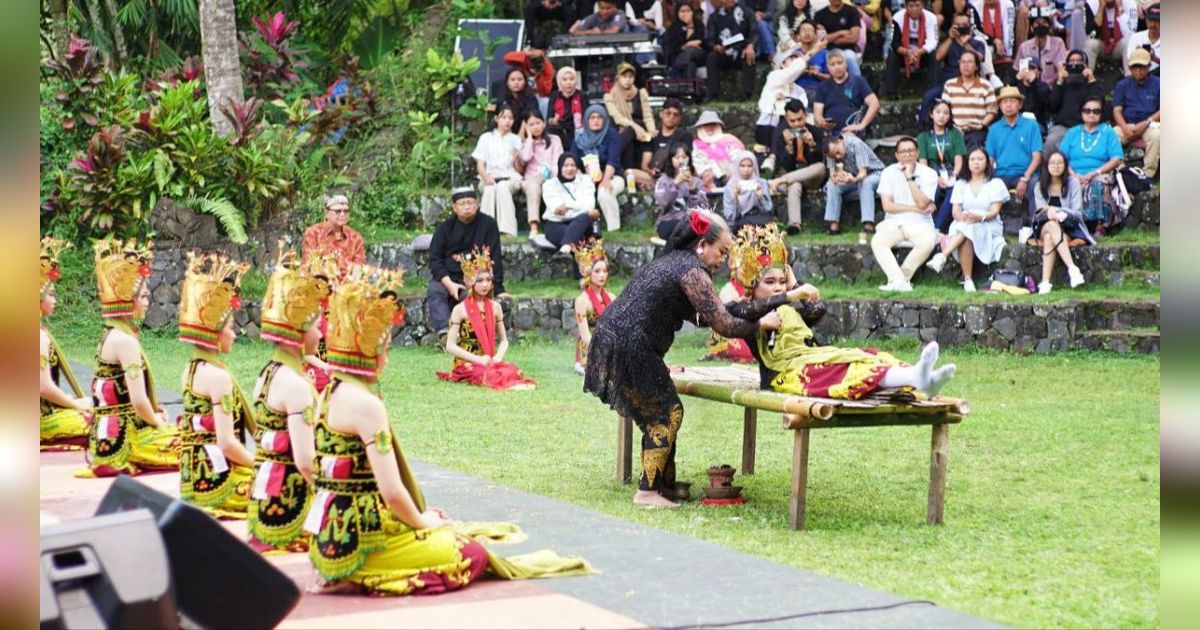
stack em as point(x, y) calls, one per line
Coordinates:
point(768, 165)
point(936, 262)
point(896, 287)
point(657, 242)
point(541, 242)
point(1044, 288)
point(1075, 275)
point(969, 285)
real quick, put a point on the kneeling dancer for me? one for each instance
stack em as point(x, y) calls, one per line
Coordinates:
point(65, 418)
point(371, 528)
point(595, 298)
point(214, 465)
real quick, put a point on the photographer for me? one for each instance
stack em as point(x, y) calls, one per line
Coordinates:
point(798, 159)
point(1076, 83)
point(961, 37)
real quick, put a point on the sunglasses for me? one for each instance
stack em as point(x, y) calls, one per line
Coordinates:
point(1092, 110)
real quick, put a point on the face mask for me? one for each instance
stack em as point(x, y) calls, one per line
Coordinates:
point(1041, 30)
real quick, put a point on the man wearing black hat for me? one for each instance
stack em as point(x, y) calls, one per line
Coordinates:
point(458, 234)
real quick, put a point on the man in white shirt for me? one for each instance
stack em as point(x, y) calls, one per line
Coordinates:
point(1149, 39)
point(906, 189)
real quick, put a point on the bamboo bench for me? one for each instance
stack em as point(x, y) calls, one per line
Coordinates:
point(739, 386)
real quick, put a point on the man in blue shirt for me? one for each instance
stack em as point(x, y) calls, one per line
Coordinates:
point(1136, 108)
point(1015, 144)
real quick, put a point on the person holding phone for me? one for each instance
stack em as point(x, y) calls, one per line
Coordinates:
point(1047, 52)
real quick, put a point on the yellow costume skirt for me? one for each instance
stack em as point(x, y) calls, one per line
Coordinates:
point(234, 506)
point(141, 448)
point(64, 430)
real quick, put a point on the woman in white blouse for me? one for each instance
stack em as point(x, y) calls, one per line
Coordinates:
point(977, 231)
point(571, 213)
point(496, 162)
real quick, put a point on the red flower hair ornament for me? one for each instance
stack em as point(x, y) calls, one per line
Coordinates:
point(700, 223)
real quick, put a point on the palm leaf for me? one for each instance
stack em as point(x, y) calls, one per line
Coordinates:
point(231, 219)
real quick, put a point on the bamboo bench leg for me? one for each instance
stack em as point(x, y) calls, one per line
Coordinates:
point(937, 474)
point(624, 449)
point(799, 500)
point(749, 440)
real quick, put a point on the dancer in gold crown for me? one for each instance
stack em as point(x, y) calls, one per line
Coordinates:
point(283, 403)
point(214, 465)
point(372, 529)
point(477, 338)
point(590, 305)
point(130, 433)
point(790, 361)
point(64, 417)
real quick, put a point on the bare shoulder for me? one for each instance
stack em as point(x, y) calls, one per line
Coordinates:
point(44, 342)
point(212, 381)
point(459, 313)
point(498, 309)
point(582, 303)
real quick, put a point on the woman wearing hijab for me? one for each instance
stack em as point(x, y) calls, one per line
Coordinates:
point(598, 148)
point(571, 213)
point(747, 196)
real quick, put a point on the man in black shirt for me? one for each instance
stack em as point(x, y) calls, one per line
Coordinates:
point(458, 235)
point(798, 158)
point(732, 42)
point(670, 130)
point(842, 23)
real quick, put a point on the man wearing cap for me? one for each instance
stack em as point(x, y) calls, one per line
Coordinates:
point(914, 40)
point(1148, 40)
point(333, 237)
point(732, 42)
point(1136, 108)
point(459, 234)
point(1015, 144)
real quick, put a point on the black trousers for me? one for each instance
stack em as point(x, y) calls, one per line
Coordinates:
point(440, 303)
point(928, 71)
point(687, 61)
point(570, 232)
point(716, 63)
point(631, 148)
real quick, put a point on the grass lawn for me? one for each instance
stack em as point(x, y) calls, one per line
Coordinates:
point(1052, 512)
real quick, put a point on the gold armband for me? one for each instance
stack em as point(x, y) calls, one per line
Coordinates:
point(134, 370)
point(382, 441)
point(227, 403)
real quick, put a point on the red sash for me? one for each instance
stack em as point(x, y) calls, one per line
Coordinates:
point(737, 286)
point(993, 24)
point(905, 38)
point(599, 303)
point(1110, 31)
point(485, 331)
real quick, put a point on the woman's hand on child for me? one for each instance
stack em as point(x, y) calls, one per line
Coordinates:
point(770, 321)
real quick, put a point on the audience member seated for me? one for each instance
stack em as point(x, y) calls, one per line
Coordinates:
point(764, 16)
point(334, 237)
point(1015, 143)
point(454, 236)
point(477, 339)
point(644, 15)
point(598, 148)
point(914, 42)
point(942, 148)
point(1108, 25)
point(816, 70)
point(592, 264)
point(795, 13)
point(796, 149)
point(564, 112)
point(779, 88)
point(495, 157)
point(1058, 222)
point(732, 44)
point(1047, 51)
point(947, 10)
point(961, 36)
point(977, 231)
point(1136, 109)
point(629, 109)
point(538, 70)
point(845, 102)
point(999, 23)
point(1149, 40)
point(1034, 91)
point(539, 11)
point(514, 91)
point(747, 199)
point(854, 171)
point(669, 132)
point(677, 189)
point(1094, 154)
point(713, 149)
point(906, 192)
point(1076, 83)
point(539, 154)
point(972, 100)
point(571, 213)
point(842, 24)
point(684, 45)
point(607, 20)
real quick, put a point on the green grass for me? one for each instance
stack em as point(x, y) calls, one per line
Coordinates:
point(1052, 510)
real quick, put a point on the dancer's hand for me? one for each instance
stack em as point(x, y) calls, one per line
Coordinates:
point(675, 369)
point(770, 321)
point(83, 403)
point(433, 519)
point(804, 292)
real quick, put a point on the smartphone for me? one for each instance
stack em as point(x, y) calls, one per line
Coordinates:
point(1026, 63)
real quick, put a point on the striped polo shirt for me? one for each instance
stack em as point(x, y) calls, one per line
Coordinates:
point(969, 105)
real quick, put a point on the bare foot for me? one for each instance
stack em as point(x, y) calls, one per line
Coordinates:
point(652, 499)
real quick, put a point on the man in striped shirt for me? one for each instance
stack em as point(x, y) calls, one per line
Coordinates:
point(972, 100)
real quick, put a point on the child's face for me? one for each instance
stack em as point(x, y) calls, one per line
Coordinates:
point(504, 120)
point(680, 159)
point(599, 275)
point(771, 282)
point(746, 168)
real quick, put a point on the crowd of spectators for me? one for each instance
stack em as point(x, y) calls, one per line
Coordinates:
point(1012, 111)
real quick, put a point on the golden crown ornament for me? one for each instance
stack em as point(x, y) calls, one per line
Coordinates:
point(208, 297)
point(296, 293)
point(478, 260)
point(587, 253)
point(757, 248)
point(51, 249)
point(121, 268)
point(363, 308)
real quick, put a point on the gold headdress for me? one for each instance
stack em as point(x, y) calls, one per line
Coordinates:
point(479, 259)
point(363, 308)
point(121, 267)
point(757, 248)
point(295, 294)
point(588, 252)
point(52, 248)
point(209, 295)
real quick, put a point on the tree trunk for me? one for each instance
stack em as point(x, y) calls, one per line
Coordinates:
point(58, 19)
point(219, 49)
point(118, 35)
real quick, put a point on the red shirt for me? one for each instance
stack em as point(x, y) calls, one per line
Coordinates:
point(544, 79)
point(324, 238)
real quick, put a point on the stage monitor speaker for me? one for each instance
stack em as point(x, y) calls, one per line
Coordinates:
point(106, 572)
point(220, 582)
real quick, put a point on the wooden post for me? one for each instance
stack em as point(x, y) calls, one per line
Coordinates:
point(937, 473)
point(624, 449)
point(749, 439)
point(799, 501)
